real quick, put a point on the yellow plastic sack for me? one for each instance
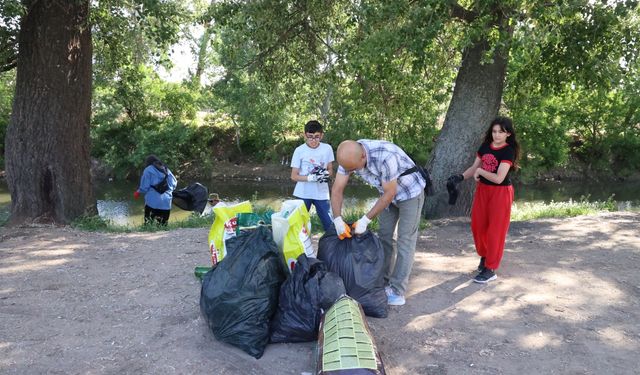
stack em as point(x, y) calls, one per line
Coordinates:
point(292, 231)
point(224, 227)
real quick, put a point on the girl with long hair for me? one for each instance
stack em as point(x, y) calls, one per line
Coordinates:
point(491, 211)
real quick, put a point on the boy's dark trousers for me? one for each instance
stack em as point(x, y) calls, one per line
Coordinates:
point(151, 214)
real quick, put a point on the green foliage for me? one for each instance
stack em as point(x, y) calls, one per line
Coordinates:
point(387, 70)
point(623, 149)
point(573, 87)
point(260, 113)
point(5, 213)
point(144, 115)
point(349, 66)
point(127, 34)
point(95, 224)
point(192, 221)
point(374, 69)
point(7, 85)
point(542, 134)
point(10, 13)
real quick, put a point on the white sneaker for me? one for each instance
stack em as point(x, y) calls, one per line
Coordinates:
point(388, 291)
point(394, 299)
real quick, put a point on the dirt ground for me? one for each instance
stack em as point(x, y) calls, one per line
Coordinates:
point(567, 301)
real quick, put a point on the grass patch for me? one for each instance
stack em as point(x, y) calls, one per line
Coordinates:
point(519, 212)
point(98, 224)
point(95, 224)
point(5, 212)
point(539, 210)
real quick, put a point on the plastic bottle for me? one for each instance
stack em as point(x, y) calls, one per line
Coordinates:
point(199, 271)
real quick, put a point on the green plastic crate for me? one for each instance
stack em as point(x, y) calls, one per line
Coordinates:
point(347, 343)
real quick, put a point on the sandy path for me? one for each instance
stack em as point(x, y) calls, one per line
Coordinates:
point(567, 301)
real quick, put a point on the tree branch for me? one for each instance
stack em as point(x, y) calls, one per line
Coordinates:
point(315, 33)
point(460, 12)
point(8, 65)
point(283, 38)
point(8, 55)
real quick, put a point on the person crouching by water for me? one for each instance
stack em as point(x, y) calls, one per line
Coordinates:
point(157, 184)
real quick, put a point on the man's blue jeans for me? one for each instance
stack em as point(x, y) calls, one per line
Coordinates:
point(322, 209)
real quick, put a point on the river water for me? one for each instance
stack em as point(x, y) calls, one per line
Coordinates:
point(116, 203)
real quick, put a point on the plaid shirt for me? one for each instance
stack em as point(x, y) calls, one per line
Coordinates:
point(386, 162)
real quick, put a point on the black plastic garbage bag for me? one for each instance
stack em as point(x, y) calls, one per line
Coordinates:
point(310, 290)
point(192, 198)
point(240, 295)
point(360, 263)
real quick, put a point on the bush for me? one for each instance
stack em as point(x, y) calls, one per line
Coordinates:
point(624, 154)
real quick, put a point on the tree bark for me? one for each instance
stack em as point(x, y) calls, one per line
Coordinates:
point(47, 142)
point(202, 55)
point(475, 103)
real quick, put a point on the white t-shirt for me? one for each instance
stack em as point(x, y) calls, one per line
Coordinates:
point(305, 159)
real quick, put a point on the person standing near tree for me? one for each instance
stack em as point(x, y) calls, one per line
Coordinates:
point(383, 165)
point(311, 167)
point(157, 184)
point(491, 209)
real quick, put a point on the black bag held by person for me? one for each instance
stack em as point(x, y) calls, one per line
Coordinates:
point(192, 198)
point(310, 290)
point(452, 187)
point(240, 295)
point(359, 261)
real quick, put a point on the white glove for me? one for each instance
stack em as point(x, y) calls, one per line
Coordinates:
point(342, 229)
point(361, 225)
point(312, 177)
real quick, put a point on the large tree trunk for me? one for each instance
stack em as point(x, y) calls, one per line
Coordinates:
point(47, 142)
point(475, 102)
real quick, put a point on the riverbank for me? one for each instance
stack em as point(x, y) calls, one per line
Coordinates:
point(250, 171)
point(567, 300)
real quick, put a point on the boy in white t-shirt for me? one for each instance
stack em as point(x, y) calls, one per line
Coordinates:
point(311, 166)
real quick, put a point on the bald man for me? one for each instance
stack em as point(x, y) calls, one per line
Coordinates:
point(382, 164)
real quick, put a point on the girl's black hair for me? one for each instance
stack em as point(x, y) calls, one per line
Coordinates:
point(156, 162)
point(151, 159)
point(506, 125)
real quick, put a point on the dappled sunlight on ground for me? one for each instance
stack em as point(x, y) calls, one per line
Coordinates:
point(38, 255)
point(618, 337)
point(539, 340)
point(33, 266)
point(52, 253)
point(567, 287)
